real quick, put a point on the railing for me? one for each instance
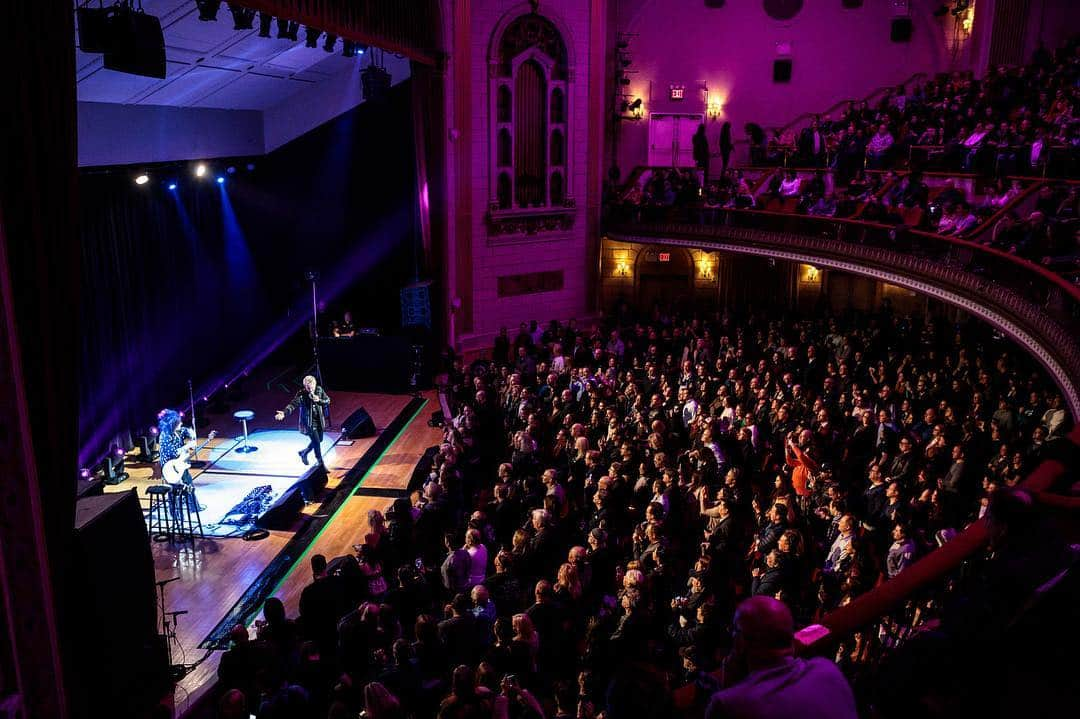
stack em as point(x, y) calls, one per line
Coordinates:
point(1031, 298)
point(873, 606)
point(873, 609)
point(842, 103)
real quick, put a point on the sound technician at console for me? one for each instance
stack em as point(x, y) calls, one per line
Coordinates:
point(312, 401)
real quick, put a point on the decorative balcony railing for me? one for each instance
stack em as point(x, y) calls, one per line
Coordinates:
point(1036, 307)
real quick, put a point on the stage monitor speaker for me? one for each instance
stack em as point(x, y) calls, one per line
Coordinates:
point(901, 29)
point(359, 424)
point(136, 44)
point(111, 600)
point(781, 70)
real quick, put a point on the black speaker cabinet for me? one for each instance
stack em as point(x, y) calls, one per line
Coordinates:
point(359, 424)
point(901, 29)
point(136, 44)
point(781, 70)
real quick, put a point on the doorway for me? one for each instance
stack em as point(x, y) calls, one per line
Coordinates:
point(671, 139)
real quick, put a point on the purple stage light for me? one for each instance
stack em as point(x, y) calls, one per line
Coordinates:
point(153, 431)
point(84, 473)
point(118, 451)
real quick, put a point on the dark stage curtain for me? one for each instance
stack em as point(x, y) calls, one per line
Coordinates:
point(201, 282)
point(530, 130)
point(38, 344)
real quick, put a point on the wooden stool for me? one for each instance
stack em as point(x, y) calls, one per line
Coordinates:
point(186, 503)
point(159, 517)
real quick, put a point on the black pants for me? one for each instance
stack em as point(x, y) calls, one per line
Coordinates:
point(315, 445)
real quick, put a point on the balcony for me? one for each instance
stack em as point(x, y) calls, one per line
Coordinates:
point(1036, 307)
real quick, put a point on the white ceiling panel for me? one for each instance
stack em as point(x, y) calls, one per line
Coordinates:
point(192, 87)
point(252, 92)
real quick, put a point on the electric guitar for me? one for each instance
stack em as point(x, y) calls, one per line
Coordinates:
point(172, 472)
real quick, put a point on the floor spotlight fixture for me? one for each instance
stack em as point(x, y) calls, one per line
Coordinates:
point(243, 18)
point(172, 185)
point(265, 20)
point(329, 42)
point(221, 180)
point(142, 179)
point(311, 36)
point(287, 29)
point(200, 170)
point(208, 9)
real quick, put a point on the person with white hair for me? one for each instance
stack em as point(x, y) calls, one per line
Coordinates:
point(312, 402)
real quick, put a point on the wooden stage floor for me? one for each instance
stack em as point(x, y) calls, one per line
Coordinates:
point(214, 573)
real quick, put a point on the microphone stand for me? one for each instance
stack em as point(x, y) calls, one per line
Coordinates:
point(313, 278)
point(195, 461)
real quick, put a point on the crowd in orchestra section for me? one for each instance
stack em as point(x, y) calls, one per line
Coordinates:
point(606, 498)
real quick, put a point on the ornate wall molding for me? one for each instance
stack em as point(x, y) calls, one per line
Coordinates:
point(1025, 322)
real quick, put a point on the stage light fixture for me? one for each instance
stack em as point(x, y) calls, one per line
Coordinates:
point(200, 170)
point(243, 18)
point(142, 179)
point(251, 167)
point(311, 36)
point(361, 48)
point(208, 9)
point(172, 185)
point(85, 473)
point(287, 29)
point(231, 170)
point(220, 180)
point(265, 20)
point(329, 42)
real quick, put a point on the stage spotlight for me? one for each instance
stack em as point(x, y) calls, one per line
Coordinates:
point(220, 180)
point(329, 42)
point(142, 179)
point(200, 170)
point(243, 18)
point(208, 9)
point(85, 473)
point(251, 167)
point(311, 36)
point(265, 20)
point(361, 48)
point(172, 185)
point(114, 466)
point(287, 29)
point(230, 169)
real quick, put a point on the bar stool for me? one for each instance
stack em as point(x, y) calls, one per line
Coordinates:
point(186, 502)
point(159, 517)
point(244, 415)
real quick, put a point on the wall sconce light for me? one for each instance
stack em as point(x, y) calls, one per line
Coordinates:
point(715, 108)
point(705, 269)
point(811, 274)
point(622, 268)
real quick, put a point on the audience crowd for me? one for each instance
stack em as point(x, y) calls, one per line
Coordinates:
point(604, 500)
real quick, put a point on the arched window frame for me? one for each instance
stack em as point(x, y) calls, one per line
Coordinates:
point(556, 79)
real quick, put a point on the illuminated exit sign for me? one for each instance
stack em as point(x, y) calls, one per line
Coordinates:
point(664, 257)
point(677, 92)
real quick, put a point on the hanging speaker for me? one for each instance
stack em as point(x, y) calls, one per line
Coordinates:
point(781, 70)
point(901, 29)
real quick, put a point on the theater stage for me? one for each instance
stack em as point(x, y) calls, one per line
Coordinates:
point(223, 579)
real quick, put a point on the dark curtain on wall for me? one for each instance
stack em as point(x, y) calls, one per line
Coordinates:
point(200, 282)
point(530, 134)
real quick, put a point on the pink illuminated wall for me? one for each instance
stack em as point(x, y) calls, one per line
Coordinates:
point(837, 53)
point(478, 258)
